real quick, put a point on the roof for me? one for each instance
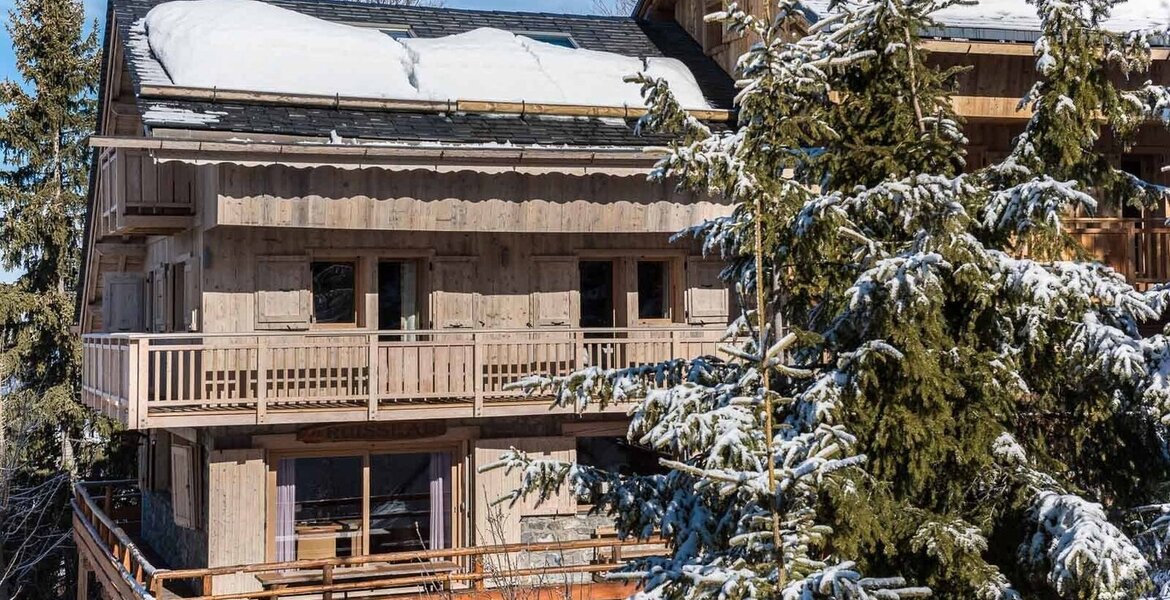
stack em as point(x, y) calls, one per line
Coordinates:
point(1007, 20)
point(620, 35)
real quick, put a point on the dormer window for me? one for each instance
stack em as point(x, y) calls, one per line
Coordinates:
point(563, 40)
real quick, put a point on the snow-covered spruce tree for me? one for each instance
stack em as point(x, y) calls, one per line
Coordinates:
point(1009, 408)
point(748, 439)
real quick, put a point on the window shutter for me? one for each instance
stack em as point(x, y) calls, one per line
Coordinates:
point(160, 457)
point(453, 301)
point(158, 300)
point(707, 296)
point(183, 485)
point(283, 294)
point(122, 303)
point(190, 297)
point(555, 292)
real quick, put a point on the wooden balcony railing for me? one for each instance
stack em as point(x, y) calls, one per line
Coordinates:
point(1137, 248)
point(480, 572)
point(185, 380)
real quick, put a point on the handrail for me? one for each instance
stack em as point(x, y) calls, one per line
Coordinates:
point(131, 563)
point(146, 580)
point(410, 556)
point(333, 333)
point(476, 576)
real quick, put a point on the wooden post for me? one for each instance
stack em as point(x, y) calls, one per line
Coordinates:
point(82, 579)
point(207, 587)
point(477, 370)
point(133, 381)
point(674, 353)
point(140, 399)
point(263, 359)
point(477, 569)
point(108, 500)
point(373, 381)
point(327, 581)
point(156, 584)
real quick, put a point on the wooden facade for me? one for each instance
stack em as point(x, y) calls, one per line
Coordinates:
point(284, 313)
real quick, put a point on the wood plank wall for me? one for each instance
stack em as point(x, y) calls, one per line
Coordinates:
point(470, 201)
point(496, 288)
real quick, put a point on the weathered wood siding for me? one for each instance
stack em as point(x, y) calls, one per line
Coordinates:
point(237, 505)
point(499, 523)
point(470, 201)
point(466, 280)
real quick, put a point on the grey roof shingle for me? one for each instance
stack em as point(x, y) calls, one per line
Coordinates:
point(619, 35)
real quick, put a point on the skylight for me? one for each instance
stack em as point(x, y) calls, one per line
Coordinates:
point(563, 40)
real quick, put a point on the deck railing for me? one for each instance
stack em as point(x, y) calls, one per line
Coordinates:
point(1136, 248)
point(159, 380)
point(120, 566)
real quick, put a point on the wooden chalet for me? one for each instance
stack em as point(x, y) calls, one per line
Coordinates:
point(310, 308)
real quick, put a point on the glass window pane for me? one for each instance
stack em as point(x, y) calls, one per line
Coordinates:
point(319, 507)
point(653, 290)
point(563, 40)
point(333, 292)
point(410, 502)
point(398, 34)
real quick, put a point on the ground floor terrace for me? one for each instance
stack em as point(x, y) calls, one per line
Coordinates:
point(355, 510)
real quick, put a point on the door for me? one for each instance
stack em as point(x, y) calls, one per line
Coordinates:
point(597, 293)
point(597, 311)
point(397, 296)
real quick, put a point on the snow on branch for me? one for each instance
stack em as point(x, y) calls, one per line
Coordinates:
point(1082, 553)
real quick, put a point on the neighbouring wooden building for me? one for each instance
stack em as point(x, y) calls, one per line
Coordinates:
point(310, 307)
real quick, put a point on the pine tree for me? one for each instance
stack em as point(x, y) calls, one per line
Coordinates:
point(48, 113)
point(1009, 411)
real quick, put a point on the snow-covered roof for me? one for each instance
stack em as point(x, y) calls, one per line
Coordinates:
point(992, 19)
point(256, 46)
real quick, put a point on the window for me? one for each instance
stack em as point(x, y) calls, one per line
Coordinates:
point(653, 289)
point(397, 33)
point(322, 510)
point(563, 40)
point(410, 500)
point(318, 507)
point(334, 298)
point(616, 455)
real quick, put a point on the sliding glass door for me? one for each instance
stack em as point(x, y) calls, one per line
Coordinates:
point(410, 502)
point(319, 507)
point(367, 503)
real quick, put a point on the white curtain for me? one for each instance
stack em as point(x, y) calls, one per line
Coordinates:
point(286, 497)
point(440, 500)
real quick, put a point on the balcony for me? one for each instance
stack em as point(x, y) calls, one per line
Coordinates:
point(1136, 248)
point(187, 380)
point(105, 522)
point(137, 196)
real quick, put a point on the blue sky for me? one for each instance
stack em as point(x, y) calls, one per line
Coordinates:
point(96, 8)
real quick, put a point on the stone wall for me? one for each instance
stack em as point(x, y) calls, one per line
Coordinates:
point(178, 547)
point(559, 528)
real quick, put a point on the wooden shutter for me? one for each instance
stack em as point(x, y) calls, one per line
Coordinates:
point(191, 298)
point(160, 461)
point(453, 298)
point(159, 308)
point(283, 292)
point(183, 485)
point(555, 295)
point(707, 296)
point(122, 303)
point(236, 486)
point(495, 483)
